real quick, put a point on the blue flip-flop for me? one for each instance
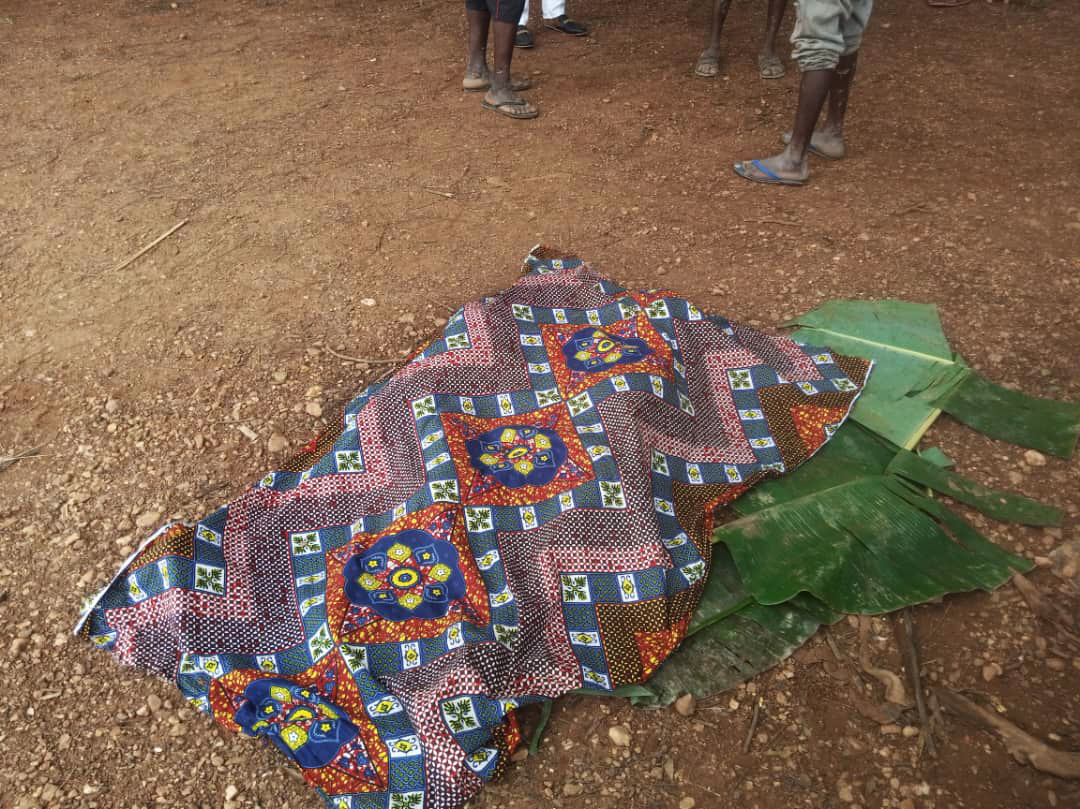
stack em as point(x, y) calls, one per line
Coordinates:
point(770, 178)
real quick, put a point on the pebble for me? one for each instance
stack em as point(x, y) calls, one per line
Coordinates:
point(148, 519)
point(686, 705)
point(572, 790)
point(520, 755)
point(18, 644)
point(276, 443)
point(907, 803)
point(1055, 664)
point(314, 392)
point(313, 409)
point(687, 803)
point(231, 792)
point(620, 734)
point(845, 793)
point(111, 406)
point(910, 730)
point(216, 759)
point(1034, 458)
point(280, 376)
point(990, 671)
point(153, 702)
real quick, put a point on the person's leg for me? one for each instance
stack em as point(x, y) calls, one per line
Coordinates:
point(501, 96)
point(769, 64)
point(523, 38)
point(479, 22)
point(819, 42)
point(838, 96)
point(827, 140)
point(553, 9)
point(708, 63)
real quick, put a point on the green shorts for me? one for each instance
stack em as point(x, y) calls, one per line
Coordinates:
point(825, 30)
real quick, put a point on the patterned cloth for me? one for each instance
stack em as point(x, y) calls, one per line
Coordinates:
point(523, 509)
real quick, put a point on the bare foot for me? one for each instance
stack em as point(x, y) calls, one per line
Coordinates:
point(779, 169)
point(708, 64)
point(823, 144)
point(502, 99)
point(476, 80)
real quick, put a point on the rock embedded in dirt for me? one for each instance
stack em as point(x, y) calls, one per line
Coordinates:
point(276, 443)
point(111, 406)
point(231, 792)
point(572, 790)
point(686, 705)
point(1034, 458)
point(687, 803)
point(153, 702)
point(280, 376)
point(313, 409)
point(620, 735)
point(991, 671)
point(148, 519)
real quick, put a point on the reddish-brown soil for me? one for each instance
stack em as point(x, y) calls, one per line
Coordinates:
point(303, 143)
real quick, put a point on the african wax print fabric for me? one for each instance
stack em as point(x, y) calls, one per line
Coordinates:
point(522, 509)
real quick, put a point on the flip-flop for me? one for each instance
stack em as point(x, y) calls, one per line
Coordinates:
point(474, 84)
point(770, 67)
point(520, 109)
point(812, 149)
point(770, 178)
point(705, 61)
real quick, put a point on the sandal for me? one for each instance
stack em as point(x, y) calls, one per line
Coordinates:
point(770, 67)
point(517, 108)
point(758, 172)
point(707, 66)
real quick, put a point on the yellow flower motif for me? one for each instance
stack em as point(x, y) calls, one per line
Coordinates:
point(410, 601)
point(398, 552)
point(440, 572)
point(294, 736)
point(368, 582)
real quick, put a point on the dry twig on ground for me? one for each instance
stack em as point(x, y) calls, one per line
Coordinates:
point(1021, 745)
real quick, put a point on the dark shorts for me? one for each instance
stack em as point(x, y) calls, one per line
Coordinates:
point(501, 10)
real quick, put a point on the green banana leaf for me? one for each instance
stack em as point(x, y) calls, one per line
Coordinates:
point(917, 375)
point(857, 535)
point(851, 531)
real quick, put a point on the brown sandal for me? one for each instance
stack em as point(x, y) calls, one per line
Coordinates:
point(474, 83)
point(517, 108)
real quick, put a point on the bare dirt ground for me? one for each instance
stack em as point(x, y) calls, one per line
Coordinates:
point(302, 141)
